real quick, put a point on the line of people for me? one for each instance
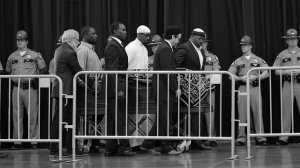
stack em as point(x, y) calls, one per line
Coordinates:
point(193, 55)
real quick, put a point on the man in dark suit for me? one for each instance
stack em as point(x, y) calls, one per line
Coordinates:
point(116, 59)
point(189, 56)
point(65, 66)
point(166, 95)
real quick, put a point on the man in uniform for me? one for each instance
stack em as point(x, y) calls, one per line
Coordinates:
point(155, 41)
point(239, 69)
point(25, 62)
point(211, 64)
point(289, 57)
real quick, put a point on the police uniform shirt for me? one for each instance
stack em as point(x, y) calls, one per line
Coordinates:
point(242, 65)
point(28, 64)
point(288, 58)
point(87, 57)
point(137, 55)
point(212, 62)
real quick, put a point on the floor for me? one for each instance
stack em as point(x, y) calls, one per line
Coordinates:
point(268, 156)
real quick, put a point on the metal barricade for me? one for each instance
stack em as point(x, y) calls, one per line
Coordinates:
point(130, 92)
point(286, 83)
point(24, 95)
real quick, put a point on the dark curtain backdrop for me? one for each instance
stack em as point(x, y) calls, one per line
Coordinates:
point(225, 21)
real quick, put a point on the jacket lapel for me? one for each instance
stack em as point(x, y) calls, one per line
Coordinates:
point(196, 56)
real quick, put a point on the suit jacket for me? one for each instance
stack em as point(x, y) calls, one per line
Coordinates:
point(164, 61)
point(116, 59)
point(65, 66)
point(187, 57)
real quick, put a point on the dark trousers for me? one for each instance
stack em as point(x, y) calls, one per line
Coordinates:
point(67, 117)
point(163, 127)
point(112, 145)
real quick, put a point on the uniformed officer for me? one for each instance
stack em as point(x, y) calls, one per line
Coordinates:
point(25, 62)
point(211, 64)
point(239, 69)
point(289, 57)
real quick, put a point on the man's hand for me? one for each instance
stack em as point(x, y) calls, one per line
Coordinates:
point(178, 93)
point(121, 94)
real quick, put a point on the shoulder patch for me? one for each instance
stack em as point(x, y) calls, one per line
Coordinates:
point(39, 55)
point(232, 63)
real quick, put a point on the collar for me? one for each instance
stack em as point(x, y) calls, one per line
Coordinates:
point(118, 40)
point(139, 42)
point(169, 44)
point(26, 52)
point(297, 49)
point(88, 45)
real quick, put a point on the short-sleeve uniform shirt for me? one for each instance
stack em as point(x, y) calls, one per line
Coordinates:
point(28, 64)
point(242, 65)
point(288, 58)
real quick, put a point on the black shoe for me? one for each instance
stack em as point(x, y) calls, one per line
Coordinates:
point(34, 146)
point(108, 154)
point(239, 143)
point(55, 154)
point(94, 150)
point(213, 143)
point(281, 142)
point(202, 146)
point(3, 155)
point(262, 143)
point(125, 153)
point(16, 147)
point(80, 153)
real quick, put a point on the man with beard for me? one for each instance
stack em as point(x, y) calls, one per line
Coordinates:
point(189, 56)
point(136, 50)
point(88, 61)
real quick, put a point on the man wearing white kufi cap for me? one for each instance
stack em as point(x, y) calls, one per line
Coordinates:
point(136, 50)
point(189, 56)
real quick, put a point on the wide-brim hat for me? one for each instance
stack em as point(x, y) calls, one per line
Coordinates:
point(21, 35)
point(290, 34)
point(155, 40)
point(246, 40)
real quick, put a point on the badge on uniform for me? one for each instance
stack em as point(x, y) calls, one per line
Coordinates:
point(28, 56)
point(208, 59)
point(255, 60)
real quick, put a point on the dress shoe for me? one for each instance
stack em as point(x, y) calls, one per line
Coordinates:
point(3, 155)
point(213, 143)
point(125, 153)
point(108, 154)
point(56, 155)
point(281, 142)
point(261, 143)
point(202, 146)
point(16, 147)
point(172, 153)
point(239, 143)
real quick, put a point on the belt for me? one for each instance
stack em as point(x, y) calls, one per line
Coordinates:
point(288, 78)
point(24, 85)
point(254, 83)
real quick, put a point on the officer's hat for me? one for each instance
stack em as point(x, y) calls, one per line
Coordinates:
point(21, 35)
point(155, 40)
point(246, 40)
point(290, 34)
